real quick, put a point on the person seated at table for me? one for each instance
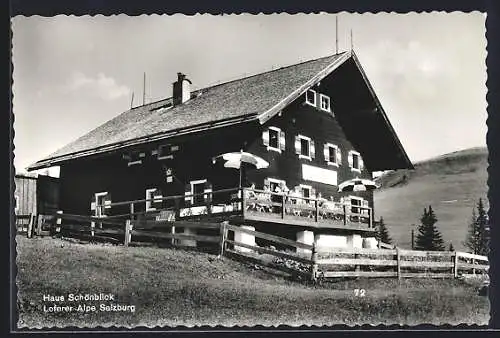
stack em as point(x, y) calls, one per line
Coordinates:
point(250, 193)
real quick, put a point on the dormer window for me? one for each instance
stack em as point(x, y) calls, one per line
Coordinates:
point(311, 97)
point(325, 102)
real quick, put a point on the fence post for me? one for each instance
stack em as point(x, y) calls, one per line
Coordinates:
point(370, 211)
point(314, 260)
point(128, 232)
point(92, 232)
point(398, 257)
point(41, 219)
point(58, 224)
point(283, 206)
point(30, 226)
point(455, 265)
point(473, 263)
point(223, 234)
point(172, 231)
point(132, 211)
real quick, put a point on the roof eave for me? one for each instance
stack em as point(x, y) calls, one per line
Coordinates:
point(54, 161)
point(409, 164)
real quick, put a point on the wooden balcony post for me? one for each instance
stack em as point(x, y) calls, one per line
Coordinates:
point(345, 213)
point(316, 214)
point(398, 266)
point(243, 202)
point(370, 218)
point(455, 265)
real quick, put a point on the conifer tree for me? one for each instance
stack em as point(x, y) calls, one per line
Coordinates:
point(477, 239)
point(382, 234)
point(428, 237)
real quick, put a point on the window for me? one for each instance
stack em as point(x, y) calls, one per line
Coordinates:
point(134, 157)
point(272, 183)
point(355, 203)
point(101, 202)
point(198, 192)
point(355, 161)
point(325, 102)
point(304, 147)
point(306, 190)
point(274, 139)
point(311, 97)
point(332, 154)
point(16, 203)
point(150, 194)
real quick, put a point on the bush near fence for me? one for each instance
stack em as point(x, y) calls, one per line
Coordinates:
point(311, 262)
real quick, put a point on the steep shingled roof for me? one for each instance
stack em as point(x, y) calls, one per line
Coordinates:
point(248, 96)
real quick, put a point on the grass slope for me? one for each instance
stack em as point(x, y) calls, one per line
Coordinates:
point(175, 287)
point(451, 183)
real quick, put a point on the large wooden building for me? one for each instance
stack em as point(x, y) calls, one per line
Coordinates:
point(318, 123)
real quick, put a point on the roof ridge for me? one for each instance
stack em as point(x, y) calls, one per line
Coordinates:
point(210, 86)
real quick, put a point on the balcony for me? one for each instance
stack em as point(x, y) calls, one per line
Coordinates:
point(244, 205)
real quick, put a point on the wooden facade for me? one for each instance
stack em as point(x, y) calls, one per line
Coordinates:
point(331, 130)
point(36, 195)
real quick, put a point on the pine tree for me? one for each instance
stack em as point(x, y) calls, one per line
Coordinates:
point(428, 237)
point(382, 234)
point(472, 239)
point(483, 229)
point(477, 239)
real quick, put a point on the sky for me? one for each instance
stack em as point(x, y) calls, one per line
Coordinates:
point(71, 74)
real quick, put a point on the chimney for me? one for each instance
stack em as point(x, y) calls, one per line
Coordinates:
point(182, 91)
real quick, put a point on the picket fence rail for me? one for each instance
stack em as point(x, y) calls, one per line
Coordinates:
point(296, 258)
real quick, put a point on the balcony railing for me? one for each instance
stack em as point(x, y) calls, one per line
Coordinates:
point(247, 203)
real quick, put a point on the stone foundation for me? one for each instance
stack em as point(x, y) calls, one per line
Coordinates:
point(306, 237)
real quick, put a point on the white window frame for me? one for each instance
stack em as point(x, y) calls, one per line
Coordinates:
point(275, 180)
point(278, 130)
point(16, 201)
point(308, 187)
point(336, 147)
point(328, 108)
point(307, 101)
point(192, 184)
point(351, 153)
point(149, 196)
point(97, 206)
point(308, 139)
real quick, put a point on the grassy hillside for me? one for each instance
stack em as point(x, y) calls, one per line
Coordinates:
point(176, 287)
point(451, 183)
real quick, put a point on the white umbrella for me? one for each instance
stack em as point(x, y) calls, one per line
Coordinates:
point(236, 159)
point(357, 184)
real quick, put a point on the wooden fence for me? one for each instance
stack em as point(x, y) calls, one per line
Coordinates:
point(292, 257)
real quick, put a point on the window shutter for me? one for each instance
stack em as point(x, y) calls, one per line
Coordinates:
point(364, 203)
point(326, 152)
point(312, 149)
point(265, 137)
point(267, 183)
point(361, 163)
point(313, 193)
point(157, 196)
point(92, 206)
point(339, 156)
point(297, 145)
point(350, 160)
point(282, 140)
point(207, 192)
point(107, 201)
point(187, 192)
